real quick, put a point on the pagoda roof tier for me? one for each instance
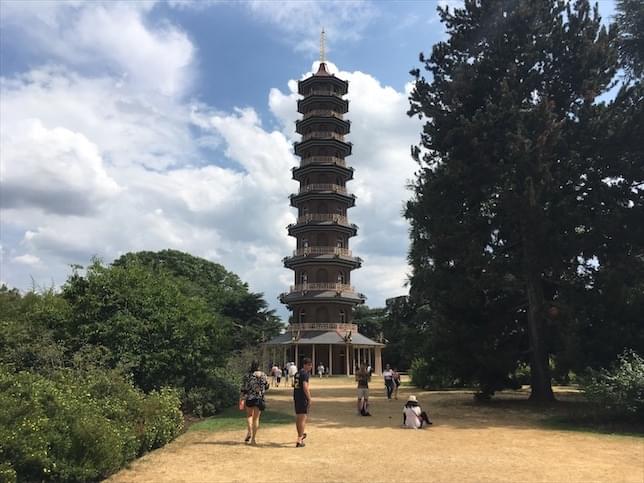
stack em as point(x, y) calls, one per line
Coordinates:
point(322, 79)
point(300, 257)
point(322, 292)
point(302, 226)
point(342, 124)
point(323, 337)
point(299, 172)
point(333, 103)
point(348, 199)
point(301, 147)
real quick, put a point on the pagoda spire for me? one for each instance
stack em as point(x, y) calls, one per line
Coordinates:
point(322, 46)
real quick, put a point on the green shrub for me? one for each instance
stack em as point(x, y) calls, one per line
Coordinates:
point(218, 392)
point(419, 373)
point(79, 427)
point(618, 391)
point(162, 419)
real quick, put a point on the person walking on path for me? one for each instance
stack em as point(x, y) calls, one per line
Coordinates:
point(362, 377)
point(253, 389)
point(320, 370)
point(302, 399)
point(388, 376)
point(292, 370)
point(396, 382)
point(278, 376)
point(413, 415)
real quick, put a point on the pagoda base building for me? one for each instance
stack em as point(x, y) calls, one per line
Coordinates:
point(322, 298)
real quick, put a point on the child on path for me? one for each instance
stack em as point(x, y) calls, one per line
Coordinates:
point(362, 378)
point(396, 382)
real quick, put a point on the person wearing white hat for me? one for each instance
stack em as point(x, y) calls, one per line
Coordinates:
point(413, 415)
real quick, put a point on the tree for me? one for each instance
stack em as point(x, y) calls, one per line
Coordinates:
point(630, 20)
point(495, 217)
point(150, 328)
point(223, 291)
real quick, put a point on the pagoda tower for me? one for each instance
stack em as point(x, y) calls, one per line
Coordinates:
point(322, 298)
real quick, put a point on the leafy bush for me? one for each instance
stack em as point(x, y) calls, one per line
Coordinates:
point(219, 391)
point(79, 427)
point(419, 373)
point(618, 391)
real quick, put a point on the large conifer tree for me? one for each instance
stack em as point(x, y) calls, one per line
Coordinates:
point(498, 213)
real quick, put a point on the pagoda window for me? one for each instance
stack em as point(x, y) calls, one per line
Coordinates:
point(304, 278)
point(339, 243)
point(321, 315)
point(322, 276)
point(340, 278)
point(343, 317)
point(302, 316)
point(323, 241)
point(305, 243)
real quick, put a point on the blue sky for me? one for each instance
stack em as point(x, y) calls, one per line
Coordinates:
point(147, 125)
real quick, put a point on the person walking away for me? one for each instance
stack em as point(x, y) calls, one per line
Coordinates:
point(396, 378)
point(413, 415)
point(320, 370)
point(278, 376)
point(362, 378)
point(253, 389)
point(302, 400)
point(292, 370)
point(286, 367)
point(388, 376)
point(273, 374)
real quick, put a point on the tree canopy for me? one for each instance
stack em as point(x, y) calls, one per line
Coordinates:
point(527, 192)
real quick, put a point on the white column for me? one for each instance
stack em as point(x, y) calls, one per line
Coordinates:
point(297, 359)
point(313, 360)
point(331, 359)
point(369, 356)
point(378, 360)
point(347, 356)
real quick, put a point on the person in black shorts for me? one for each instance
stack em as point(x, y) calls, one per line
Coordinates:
point(302, 399)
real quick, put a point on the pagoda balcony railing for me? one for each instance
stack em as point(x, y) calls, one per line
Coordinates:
point(323, 135)
point(339, 327)
point(334, 217)
point(323, 187)
point(323, 92)
point(323, 159)
point(314, 251)
point(321, 286)
point(323, 113)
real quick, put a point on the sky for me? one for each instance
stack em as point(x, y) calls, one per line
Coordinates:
point(146, 125)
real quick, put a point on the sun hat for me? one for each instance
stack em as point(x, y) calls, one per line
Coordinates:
point(412, 398)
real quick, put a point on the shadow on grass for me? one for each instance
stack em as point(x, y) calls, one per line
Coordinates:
point(232, 418)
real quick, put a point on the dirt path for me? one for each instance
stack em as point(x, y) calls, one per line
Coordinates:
point(467, 443)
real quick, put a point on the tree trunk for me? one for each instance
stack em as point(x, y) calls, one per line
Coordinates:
point(540, 382)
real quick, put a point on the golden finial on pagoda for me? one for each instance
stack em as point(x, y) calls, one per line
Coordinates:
point(322, 52)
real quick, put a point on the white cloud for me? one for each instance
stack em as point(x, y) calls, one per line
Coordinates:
point(157, 171)
point(110, 36)
point(27, 259)
point(57, 170)
point(300, 22)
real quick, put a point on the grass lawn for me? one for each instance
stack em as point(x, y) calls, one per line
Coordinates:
point(233, 418)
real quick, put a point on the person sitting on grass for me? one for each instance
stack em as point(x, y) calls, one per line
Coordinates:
point(413, 415)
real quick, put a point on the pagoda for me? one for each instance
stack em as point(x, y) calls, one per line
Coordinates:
point(322, 298)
